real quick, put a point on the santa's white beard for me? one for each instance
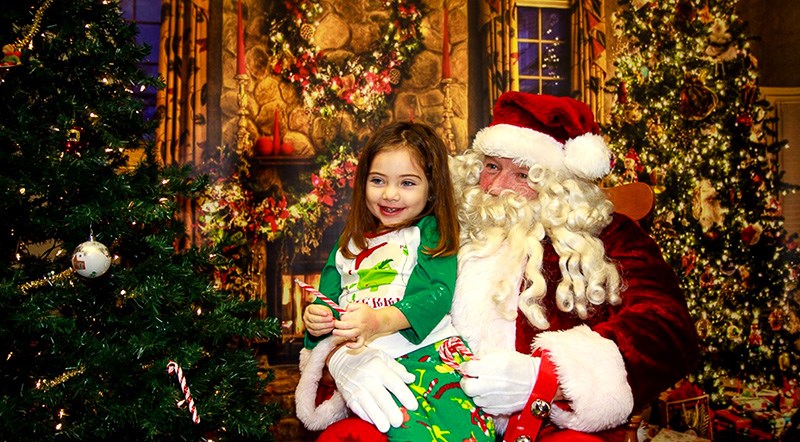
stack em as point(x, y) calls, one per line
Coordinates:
point(505, 228)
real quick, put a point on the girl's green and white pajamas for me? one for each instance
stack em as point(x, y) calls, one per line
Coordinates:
point(393, 270)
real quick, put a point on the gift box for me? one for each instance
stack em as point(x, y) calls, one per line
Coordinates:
point(734, 420)
point(684, 409)
point(752, 403)
point(773, 421)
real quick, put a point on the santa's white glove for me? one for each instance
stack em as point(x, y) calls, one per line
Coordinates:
point(500, 382)
point(365, 377)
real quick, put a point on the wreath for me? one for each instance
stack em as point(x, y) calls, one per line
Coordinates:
point(362, 85)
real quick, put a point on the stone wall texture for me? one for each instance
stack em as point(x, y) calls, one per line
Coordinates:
point(345, 26)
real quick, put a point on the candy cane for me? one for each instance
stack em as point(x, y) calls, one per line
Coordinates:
point(449, 348)
point(319, 295)
point(430, 387)
point(174, 368)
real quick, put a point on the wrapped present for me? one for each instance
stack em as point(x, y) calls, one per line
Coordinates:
point(751, 403)
point(684, 408)
point(733, 419)
point(773, 421)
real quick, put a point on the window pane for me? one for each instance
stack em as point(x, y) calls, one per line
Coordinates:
point(148, 10)
point(528, 59)
point(149, 35)
point(555, 59)
point(544, 50)
point(555, 24)
point(559, 88)
point(527, 22)
point(531, 86)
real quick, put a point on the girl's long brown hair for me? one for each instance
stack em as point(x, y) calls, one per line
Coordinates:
point(430, 152)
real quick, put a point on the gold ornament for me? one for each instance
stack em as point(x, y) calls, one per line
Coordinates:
point(306, 32)
point(394, 76)
point(784, 360)
point(703, 327)
point(632, 112)
point(734, 333)
point(655, 131)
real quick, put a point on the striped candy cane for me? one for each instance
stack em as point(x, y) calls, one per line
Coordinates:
point(449, 348)
point(174, 368)
point(319, 295)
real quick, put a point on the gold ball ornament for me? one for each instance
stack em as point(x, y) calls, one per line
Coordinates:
point(655, 131)
point(307, 32)
point(394, 76)
point(91, 259)
point(632, 112)
point(703, 327)
point(784, 360)
point(734, 333)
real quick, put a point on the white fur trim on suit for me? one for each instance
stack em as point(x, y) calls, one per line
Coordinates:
point(314, 417)
point(592, 376)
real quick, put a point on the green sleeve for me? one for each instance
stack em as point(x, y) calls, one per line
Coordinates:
point(330, 285)
point(430, 289)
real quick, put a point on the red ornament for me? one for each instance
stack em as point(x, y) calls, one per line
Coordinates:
point(745, 120)
point(74, 143)
point(751, 234)
point(622, 94)
point(264, 146)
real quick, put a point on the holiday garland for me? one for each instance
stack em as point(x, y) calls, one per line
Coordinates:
point(233, 216)
point(362, 85)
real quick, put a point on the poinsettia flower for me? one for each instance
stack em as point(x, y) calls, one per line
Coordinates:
point(323, 190)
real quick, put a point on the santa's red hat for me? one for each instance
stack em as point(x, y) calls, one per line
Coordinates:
point(558, 133)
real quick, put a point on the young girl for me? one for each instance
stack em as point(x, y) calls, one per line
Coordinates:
point(394, 270)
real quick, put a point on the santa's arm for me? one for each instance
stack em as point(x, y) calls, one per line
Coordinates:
point(647, 343)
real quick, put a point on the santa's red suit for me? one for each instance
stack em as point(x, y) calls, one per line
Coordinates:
point(608, 365)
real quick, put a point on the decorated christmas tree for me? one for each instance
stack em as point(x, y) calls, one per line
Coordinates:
point(109, 329)
point(690, 121)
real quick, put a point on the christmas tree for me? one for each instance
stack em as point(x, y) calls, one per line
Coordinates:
point(689, 120)
point(108, 329)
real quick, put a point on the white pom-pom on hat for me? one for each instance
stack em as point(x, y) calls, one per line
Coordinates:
point(587, 156)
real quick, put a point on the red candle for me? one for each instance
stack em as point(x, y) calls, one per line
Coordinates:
point(241, 65)
point(276, 132)
point(445, 44)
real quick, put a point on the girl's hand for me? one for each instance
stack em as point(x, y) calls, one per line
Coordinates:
point(359, 323)
point(318, 320)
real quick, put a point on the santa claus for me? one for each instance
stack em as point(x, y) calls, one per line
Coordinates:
point(575, 318)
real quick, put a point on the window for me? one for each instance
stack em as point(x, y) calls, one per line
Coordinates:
point(147, 16)
point(543, 44)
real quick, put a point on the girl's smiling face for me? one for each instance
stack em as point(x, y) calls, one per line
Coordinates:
point(397, 189)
